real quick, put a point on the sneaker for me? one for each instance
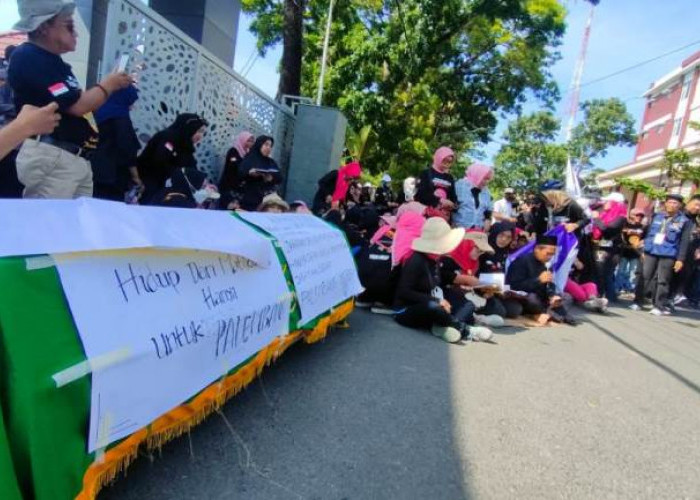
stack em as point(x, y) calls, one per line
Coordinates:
point(667, 312)
point(602, 304)
point(387, 311)
point(656, 312)
point(492, 320)
point(679, 299)
point(363, 305)
point(591, 304)
point(635, 307)
point(479, 334)
point(447, 333)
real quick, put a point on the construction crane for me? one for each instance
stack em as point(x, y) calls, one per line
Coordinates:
point(573, 186)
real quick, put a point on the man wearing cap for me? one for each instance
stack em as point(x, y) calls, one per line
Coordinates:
point(530, 273)
point(503, 209)
point(55, 165)
point(665, 248)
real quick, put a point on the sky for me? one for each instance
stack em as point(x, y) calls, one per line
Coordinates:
point(624, 32)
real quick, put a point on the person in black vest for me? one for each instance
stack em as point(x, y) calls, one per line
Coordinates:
point(55, 165)
point(259, 173)
point(169, 150)
point(665, 248)
point(530, 274)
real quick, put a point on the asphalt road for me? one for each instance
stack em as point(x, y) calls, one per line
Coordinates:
point(607, 409)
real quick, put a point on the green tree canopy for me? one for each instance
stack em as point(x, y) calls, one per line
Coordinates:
point(424, 73)
point(530, 154)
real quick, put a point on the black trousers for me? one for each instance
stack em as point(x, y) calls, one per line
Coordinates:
point(654, 277)
point(424, 316)
point(505, 308)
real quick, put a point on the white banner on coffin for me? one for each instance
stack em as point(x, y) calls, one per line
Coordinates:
point(184, 318)
point(319, 260)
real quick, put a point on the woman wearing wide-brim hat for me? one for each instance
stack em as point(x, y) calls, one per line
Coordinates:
point(419, 297)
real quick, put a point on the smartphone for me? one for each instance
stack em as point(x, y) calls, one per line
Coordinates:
point(123, 62)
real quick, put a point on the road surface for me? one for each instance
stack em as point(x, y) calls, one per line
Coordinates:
point(607, 409)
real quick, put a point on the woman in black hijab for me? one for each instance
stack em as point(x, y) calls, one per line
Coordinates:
point(501, 237)
point(168, 150)
point(260, 173)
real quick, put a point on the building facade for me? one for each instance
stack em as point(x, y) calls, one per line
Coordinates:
point(672, 104)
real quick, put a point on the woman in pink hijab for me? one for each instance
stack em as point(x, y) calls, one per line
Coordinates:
point(436, 186)
point(230, 185)
point(475, 204)
point(607, 241)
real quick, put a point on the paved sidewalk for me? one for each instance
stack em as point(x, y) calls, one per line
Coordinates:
point(607, 409)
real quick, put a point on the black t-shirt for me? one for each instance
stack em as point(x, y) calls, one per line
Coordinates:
point(430, 182)
point(39, 78)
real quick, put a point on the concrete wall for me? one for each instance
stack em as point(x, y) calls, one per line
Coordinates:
point(319, 138)
point(213, 23)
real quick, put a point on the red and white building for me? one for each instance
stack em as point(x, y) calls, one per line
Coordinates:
point(672, 102)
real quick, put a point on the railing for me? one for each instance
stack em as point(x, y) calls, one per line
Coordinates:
point(178, 75)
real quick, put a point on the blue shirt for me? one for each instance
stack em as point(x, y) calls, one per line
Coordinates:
point(468, 215)
point(39, 77)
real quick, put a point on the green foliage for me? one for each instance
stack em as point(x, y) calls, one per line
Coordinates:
point(529, 154)
point(646, 188)
point(357, 142)
point(606, 123)
point(424, 73)
point(677, 166)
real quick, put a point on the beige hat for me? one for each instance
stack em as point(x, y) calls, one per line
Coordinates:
point(274, 200)
point(481, 241)
point(33, 13)
point(437, 237)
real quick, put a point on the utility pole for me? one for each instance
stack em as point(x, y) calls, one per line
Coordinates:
point(324, 58)
point(573, 186)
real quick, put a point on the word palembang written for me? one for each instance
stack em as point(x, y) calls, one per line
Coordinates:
point(319, 259)
point(187, 318)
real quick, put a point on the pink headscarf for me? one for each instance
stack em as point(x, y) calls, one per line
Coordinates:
point(408, 228)
point(240, 143)
point(615, 211)
point(351, 170)
point(440, 156)
point(411, 206)
point(477, 173)
point(389, 224)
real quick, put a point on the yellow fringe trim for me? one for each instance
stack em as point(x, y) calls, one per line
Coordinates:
point(181, 419)
point(336, 318)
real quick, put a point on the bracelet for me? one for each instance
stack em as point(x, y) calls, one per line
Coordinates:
point(99, 86)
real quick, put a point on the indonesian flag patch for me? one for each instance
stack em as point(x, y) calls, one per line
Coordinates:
point(58, 89)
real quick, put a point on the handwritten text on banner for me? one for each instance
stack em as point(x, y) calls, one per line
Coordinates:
point(185, 318)
point(319, 259)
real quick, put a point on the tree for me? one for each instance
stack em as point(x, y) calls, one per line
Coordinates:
point(606, 123)
point(678, 166)
point(424, 73)
point(529, 154)
point(646, 188)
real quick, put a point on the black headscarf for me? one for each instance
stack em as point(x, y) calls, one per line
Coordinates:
point(496, 262)
point(182, 130)
point(255, 160)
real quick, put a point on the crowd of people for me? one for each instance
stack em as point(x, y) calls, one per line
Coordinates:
point(444, 256)
point(440, 255)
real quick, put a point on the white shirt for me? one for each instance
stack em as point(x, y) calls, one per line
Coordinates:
point(503, 207)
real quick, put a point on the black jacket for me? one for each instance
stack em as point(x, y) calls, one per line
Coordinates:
point(430, 181)
point(419, 277)
point(523, 275)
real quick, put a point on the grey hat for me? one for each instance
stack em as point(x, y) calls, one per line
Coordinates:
point(33, 13)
